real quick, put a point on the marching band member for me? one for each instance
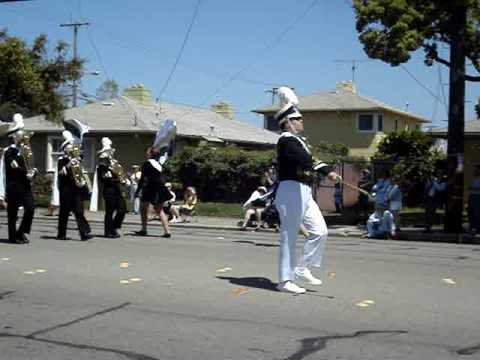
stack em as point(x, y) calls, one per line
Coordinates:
point(17, 173)
point(152, 183)
point(294, 199)
point(72, 188)
point(111, 181)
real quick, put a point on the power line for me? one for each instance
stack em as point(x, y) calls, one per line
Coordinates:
point(266, 48)
point(421, 84)
point(185, 39)
point(99, 57)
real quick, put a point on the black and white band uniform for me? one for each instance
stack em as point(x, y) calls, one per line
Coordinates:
point(294, 200)
point(115, 206)
point(71, 195)
point(16, 183)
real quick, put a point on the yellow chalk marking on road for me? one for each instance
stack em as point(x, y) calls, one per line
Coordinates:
point(368, 302)
point(449, 281)
point(40, 271)
point(124, 282)
point(136, 279)
point(332, 275)
point(223, 270)
point(240, 291)
point(362, 304)
point(124, 265)
point(5, 258)
point(29, 272)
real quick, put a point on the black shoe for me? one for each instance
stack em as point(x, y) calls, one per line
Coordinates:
point(86, 237)
point(21, 239)
point(61, 237)
point(141, 233)
point(166, 235)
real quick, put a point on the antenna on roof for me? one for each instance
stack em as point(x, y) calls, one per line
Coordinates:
point(354, 63)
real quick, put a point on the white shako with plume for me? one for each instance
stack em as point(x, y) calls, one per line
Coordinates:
point(288, 102)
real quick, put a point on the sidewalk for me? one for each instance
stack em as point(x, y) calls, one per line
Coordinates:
point(230, 224)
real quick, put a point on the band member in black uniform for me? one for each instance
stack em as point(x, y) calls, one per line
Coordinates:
point(294, 200)
point(72, 188)
point(17, 176)
point(153, 190)
point(112, 177)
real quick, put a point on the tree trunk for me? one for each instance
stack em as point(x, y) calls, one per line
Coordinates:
point(456, 122)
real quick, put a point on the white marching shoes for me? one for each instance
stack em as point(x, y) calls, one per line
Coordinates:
point(304, 274)
point(290, 287)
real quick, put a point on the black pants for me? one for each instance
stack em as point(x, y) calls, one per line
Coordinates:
point(17, 197)
point(114, 204)
point(71, 200)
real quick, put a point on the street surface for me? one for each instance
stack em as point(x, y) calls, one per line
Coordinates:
point(209, 294)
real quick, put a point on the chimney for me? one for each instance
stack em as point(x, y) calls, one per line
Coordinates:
point(223, 108)
point(139, 93)
point(347, 85)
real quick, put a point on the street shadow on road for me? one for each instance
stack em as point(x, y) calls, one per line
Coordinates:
point(253, 282)
point(255, 243)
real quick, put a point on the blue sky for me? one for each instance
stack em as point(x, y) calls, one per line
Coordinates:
point(137, 41)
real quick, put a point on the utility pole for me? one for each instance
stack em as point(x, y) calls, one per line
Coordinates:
point(75, 26)
point(456, 121)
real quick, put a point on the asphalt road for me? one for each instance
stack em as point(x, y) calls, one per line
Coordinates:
point(207, 294)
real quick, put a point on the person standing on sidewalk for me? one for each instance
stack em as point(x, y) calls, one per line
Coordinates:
point(474, 202)
point(294, 200)
point(17, 174)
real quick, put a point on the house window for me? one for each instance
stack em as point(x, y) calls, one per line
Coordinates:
point(380, 122)
point(365, 123)
point(370, 122)
point(54, 151)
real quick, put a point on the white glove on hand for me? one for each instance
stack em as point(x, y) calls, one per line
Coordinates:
point(31, 174)
point(14, 164)
point(63, 171)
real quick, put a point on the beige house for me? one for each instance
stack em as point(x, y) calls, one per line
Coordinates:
point(343, 116)
point(131, 122)
point(472, 149)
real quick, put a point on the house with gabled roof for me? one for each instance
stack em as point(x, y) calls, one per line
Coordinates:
point(131, 122)
point(343, 116)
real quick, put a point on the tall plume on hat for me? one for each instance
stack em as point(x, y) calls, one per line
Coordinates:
point(288, 102)
point(16, 124)
point(76, 128)
point(166, 133)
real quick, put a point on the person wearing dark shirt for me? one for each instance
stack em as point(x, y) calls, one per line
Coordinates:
point(17, 177)
point(294, 200)
point(71, 191)
point(153, 190)
point(115, 206)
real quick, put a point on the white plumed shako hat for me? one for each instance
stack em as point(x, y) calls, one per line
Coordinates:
point(16, 124)
point(288, 102)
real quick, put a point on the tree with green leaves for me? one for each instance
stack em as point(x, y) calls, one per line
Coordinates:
point(31, 76)
point(391, 30)
point(411, 158)
point(108, 90)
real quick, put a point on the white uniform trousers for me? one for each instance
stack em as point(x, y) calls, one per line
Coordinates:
point(295, 205)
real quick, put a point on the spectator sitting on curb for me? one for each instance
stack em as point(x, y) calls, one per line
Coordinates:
point(254, 206)
point(380, 224)
point(187, 209)
point(167, 206)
